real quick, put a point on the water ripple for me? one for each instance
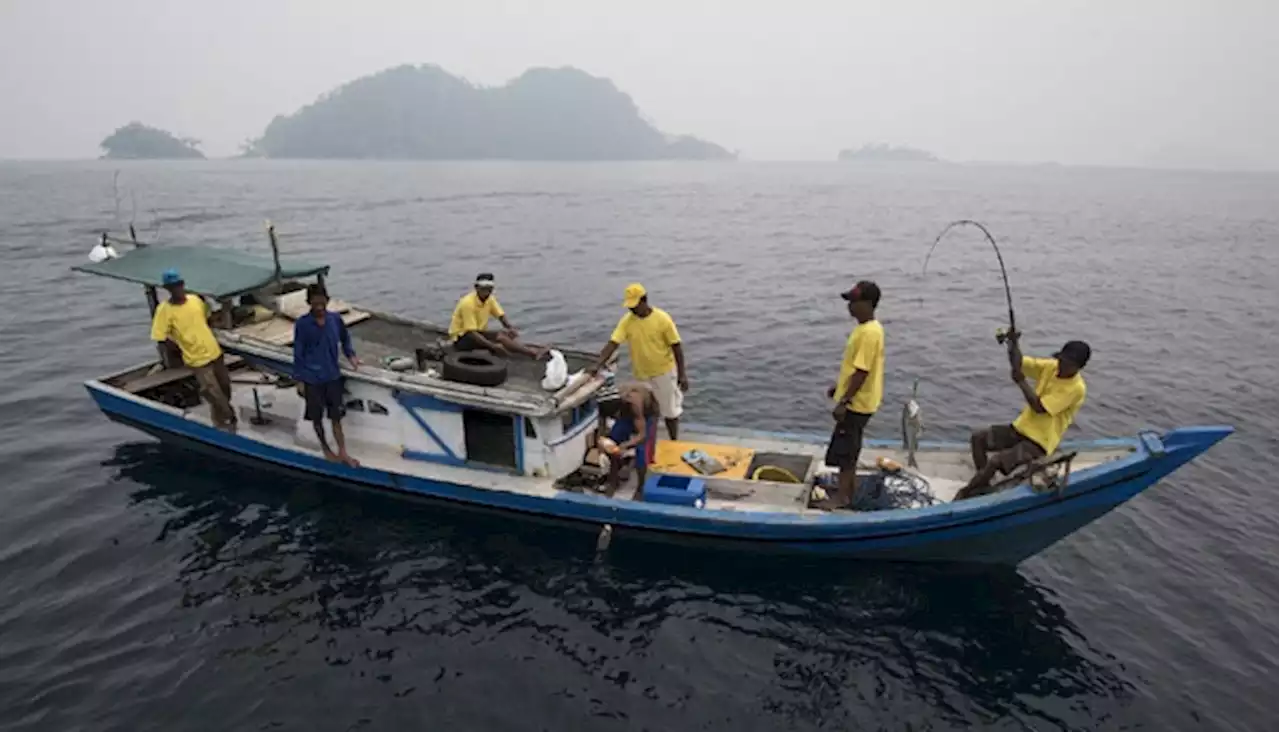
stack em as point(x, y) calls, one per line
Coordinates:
point(147, 590)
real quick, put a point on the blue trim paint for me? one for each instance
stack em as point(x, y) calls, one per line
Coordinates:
point(426, 401)
point(448, 453)
point(431, 457)
point(269, 364)
point(519, 430)
point(1004, 527)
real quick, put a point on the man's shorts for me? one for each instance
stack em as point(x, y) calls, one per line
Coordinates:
point(1008, 448)
point(666, 388)
point(328, 397)
point(846, 441)
point(622, 430)
point(469, 342)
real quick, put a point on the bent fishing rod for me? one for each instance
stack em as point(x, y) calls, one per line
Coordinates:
point(1008, 293)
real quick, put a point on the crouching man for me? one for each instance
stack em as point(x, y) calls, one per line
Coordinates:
point(636, 426)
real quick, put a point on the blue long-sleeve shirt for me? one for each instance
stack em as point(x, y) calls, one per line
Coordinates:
point(315, 348)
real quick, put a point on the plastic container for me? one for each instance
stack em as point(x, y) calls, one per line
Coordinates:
point(675, 490)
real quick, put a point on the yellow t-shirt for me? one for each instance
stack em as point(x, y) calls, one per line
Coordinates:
point(650, 339)
point(1061, 399)
point(187, 325)
point(471, 314)
point(863, 352)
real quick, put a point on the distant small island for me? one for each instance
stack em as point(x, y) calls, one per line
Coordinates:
point(426, 113)
point(136, 141)
point(885, 153)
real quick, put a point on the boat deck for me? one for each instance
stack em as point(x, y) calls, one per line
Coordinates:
point(378, 337)
point(732, 489)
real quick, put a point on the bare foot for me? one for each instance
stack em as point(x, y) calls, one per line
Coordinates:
point(331, 456)
point(349, 461)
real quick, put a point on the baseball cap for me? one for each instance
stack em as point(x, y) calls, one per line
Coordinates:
point(1077, 352)
point(632, 295)
point(171, 276)
point(864, 290)
point(484, 279)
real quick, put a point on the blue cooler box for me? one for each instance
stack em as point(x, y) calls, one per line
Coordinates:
point(676, 490)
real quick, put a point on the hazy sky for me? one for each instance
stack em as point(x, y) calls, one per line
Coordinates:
point(1077, 81)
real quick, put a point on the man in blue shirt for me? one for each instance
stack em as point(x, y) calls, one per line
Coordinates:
point(316, 337)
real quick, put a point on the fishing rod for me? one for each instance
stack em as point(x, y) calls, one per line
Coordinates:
point(1008, 293)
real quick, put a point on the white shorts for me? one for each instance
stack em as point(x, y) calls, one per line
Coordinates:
point(666, 389)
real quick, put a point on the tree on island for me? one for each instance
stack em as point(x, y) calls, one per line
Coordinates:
point(426, 113)
point(138, 141)
point(885, 153)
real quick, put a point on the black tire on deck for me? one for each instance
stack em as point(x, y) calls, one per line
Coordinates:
point(479, 368)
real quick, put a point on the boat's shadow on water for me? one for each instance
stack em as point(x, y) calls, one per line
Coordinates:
point(823, 639)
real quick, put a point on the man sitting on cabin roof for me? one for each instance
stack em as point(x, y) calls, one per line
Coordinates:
point(184, 321)
point(316, 337)
point(1051, 406)
point(471, 318)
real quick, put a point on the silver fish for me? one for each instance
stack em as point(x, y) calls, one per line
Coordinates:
point(912, 425)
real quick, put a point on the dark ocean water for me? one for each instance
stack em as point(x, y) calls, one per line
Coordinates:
point(147, 588)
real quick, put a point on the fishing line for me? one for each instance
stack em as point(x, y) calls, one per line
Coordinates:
point(1008, 293)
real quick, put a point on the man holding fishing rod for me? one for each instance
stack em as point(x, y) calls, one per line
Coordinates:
point(1052, 403)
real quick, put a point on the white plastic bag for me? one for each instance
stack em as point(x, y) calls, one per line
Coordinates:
point(557, 372)
point(101, 253)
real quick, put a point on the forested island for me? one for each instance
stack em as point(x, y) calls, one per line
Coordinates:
point(426, 113)
point(136, 141)
point(885, 153)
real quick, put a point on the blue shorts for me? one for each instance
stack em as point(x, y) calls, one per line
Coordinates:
point(622, 430)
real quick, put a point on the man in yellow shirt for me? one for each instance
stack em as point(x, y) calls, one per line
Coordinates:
point(657, 357)
point(1052, 403)
point(858, 391)
point(184, 321)
point(471, 318)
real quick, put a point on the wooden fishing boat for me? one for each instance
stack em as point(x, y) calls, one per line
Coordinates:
point(515, 446)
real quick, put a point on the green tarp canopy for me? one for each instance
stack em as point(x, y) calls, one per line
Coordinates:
point(211, 272)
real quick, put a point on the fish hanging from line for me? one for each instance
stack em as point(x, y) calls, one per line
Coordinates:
point(912, 425)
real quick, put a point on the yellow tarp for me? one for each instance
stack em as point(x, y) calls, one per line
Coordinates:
point(667, 460)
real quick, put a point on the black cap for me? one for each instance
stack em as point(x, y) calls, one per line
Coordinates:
point(864, 290)
point(1077, 352)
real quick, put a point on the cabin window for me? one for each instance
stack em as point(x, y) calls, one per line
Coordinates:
point(529, 431)
point(355, 405)
point(490, 438)
point(376, 408)
point(576, 416)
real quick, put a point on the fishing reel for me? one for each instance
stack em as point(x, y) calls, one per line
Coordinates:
point(1002, 336)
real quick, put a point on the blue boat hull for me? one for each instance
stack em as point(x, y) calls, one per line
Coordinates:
point(1002, 528)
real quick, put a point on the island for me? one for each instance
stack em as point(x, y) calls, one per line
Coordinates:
point(136, 141)
point(886, 154)
point(426, 113)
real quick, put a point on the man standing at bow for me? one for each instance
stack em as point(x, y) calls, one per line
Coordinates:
point(183, 320)
point(657, 356)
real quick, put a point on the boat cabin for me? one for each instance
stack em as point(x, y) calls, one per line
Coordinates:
point(413, 395)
